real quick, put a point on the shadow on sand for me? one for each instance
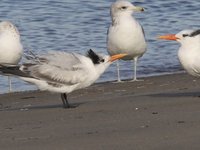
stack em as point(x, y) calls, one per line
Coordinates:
point(176, 94)
point(9, 108)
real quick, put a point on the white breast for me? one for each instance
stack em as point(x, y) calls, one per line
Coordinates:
point(10, 49)
point(189, 56)
point(126, 37)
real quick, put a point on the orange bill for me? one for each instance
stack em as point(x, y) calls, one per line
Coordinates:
point(168, 37)
point(116, 57)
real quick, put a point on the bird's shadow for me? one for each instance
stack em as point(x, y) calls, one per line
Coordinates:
point(38, 107)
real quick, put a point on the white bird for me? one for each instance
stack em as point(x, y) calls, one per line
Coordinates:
point(11, 49)
point(62, 72)
point(125, 34)
point(189, 51)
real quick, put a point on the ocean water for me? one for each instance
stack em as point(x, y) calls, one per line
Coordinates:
point(77, 26)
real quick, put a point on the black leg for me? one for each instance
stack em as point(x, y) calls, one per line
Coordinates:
point(64, 100)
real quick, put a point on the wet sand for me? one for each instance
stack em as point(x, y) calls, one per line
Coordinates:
point(159, 113)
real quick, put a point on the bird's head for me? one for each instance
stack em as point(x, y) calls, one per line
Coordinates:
point(6, 25)
point(103, 59)
point(101, 62)
point(123, 7)
point(8, 29)
point(182, 37)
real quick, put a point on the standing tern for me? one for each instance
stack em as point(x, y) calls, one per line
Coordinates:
point(125, 34)
point(62, 72)
point(189, 51)
point(11, 49)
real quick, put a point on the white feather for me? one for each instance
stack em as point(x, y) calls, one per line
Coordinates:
point(63, 72)
point(11, 48)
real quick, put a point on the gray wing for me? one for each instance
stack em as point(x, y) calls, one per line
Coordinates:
point(143, 31)
point(59, 67)
point(57, 58)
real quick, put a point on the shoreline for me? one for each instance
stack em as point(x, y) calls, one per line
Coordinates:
point(161, 112)
point(105, 82)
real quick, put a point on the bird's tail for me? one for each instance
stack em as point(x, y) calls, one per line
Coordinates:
point(12, 70)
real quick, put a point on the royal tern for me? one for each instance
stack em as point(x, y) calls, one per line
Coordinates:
point(189, 52)
point(11, 49)
point(62, 72)
point(125, 34)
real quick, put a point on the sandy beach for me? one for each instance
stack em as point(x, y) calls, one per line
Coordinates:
point(159, 113)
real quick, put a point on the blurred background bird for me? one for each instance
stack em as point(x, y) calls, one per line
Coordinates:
point(11, 49)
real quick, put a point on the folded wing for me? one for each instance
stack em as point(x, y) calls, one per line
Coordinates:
point(54, 67)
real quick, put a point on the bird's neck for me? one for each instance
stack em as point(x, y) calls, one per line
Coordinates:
point(192, 44)
point(100, 68)
point(122, 19)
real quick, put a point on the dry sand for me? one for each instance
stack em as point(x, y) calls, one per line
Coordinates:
point(160, 113)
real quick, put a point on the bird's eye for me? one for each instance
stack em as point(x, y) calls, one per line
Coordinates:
point(123, 7)
point(184, 35)
point(102, 60)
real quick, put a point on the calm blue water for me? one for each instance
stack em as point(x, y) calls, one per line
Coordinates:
point(80, 25)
